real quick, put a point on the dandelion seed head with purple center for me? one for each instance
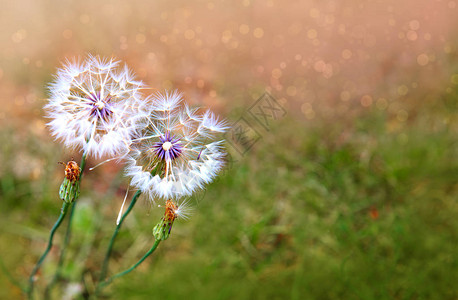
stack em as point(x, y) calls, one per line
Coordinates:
point(179, 149)
point(168, 148)
point(100, 108)
point(95, 104)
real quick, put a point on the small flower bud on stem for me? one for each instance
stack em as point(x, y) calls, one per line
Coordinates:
point(163, 229)
point(70, 188)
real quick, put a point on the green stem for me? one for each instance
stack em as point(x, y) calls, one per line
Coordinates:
point(67, 234)
point(83, 164)
point(63, 212)
point(62, 253)
point(103, 272)
point(109, 280)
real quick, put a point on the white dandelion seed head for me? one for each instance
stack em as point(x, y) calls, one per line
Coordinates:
point(177, 151)
point(94, 105)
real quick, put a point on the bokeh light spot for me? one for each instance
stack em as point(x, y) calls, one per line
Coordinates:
point(19, 35)
point(346, 54)
point(454, 79)
point(226, 36)
point(312, 34)
point(276, 73)
point(366, 100)
point(447, 49)
point(381, 103)
point(140, 38)
point(403, 90)
point(414, 25)
point(258, 33)
point(189, 34)
point(422, 59)
point(67, 34)
point(167, 84)
point(244, 29)
point(307, 110)
point(345, 95)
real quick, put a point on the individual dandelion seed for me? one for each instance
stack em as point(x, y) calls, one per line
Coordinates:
point(173, 211)
point(69, 190)
point(94, 105)
point(177, 150)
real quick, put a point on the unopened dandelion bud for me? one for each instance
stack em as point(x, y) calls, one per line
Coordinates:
point(173, 211)
point(70, 188)
point(163, 229)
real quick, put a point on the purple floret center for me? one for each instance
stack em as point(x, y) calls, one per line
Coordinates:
point(174, 147)
point(100, 108)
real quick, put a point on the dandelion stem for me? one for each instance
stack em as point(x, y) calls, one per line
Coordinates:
point(63, 212)
point(110, 279)
point(83, 163)
point(62, 254)
point(67, 235)
point(103, 272)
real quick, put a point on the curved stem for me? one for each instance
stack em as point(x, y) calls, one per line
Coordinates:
point(109, 280)
point(103, 272)
point(63, 212)
point(62, 253)
point(67, 234)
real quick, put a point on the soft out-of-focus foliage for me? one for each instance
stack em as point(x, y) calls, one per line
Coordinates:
point(351, 195)
point(357, 211)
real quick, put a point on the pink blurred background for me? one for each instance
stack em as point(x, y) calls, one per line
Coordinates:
point(319, 59)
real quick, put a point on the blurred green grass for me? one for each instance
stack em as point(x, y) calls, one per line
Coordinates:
point(358, 208)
